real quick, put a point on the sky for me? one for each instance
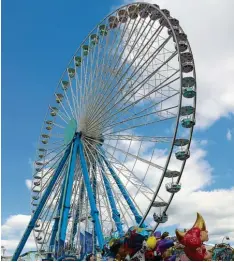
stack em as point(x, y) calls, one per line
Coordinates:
point(38, 40)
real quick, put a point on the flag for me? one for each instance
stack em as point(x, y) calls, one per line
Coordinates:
point(82, 244)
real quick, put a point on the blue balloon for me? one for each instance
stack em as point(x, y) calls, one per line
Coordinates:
point(164, 244)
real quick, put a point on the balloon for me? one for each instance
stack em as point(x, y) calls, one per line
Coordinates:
point(193, 240)
point(157, 234)
point(164, 244)
point(151, 242)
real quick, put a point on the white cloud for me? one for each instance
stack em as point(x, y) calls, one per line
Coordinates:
point(12, 231)
point(204, 142)
point(213, 204)
point(212, 46)
point(229, 135)
point(28, 183)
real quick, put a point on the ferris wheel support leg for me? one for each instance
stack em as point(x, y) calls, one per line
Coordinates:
point(115, 213)
point(68, 193)
point(94, 211)
point(45, 196)
point(94, 184)
point(123, 190)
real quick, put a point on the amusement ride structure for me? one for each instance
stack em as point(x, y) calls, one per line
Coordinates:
point(116, 135)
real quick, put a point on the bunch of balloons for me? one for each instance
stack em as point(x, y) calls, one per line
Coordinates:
point(142, 244)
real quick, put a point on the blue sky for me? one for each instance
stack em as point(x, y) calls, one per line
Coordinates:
point(38, 40)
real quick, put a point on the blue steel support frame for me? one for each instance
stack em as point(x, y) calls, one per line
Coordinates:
point(40, 206)
point(115, 213)
point(68, 193)
point(94, 211)
point(94, 184)
point(124, 192)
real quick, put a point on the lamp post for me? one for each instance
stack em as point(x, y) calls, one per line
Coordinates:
point(226, 238)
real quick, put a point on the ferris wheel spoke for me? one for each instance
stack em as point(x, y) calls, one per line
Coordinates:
point(143, 110)
point(49, 152)
point(105, 200)
point(55, 124)
point(75, 205)
point(65, 114)
point(81, 83)
point(87, 152)
point(131, 178)
point(107, 98)
point(58, 142)
point(118, 60)
point(139, 138)
point(49, 162)
point(132, 199)
point(140, 187)
point(79, 213)
point(52, 159)
point(99, 204)
point(96, 53)
point(122, 206)
point(44, 183)
point(74, 98)
point(136, 157)
point(96, 102)
point(123, 186)
point(100, 47)
point(134, 103)
point(47, 173)
point(86, 86)
point(124, 74)
point(149, 121)
point(69, 105)
point(144, 124)
point(136, 89)
point(95, 123)
point(101, 169)
point(129, 52)
point(63, 117)
point(99, 68)
point(116, 197)
point(78, 87)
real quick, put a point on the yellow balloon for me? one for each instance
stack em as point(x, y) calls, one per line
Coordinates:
point(151, 242)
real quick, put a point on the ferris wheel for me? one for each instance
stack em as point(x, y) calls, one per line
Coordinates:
point(117, 133)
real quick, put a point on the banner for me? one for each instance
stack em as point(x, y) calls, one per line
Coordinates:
point(88, 243)
point(82, 244)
